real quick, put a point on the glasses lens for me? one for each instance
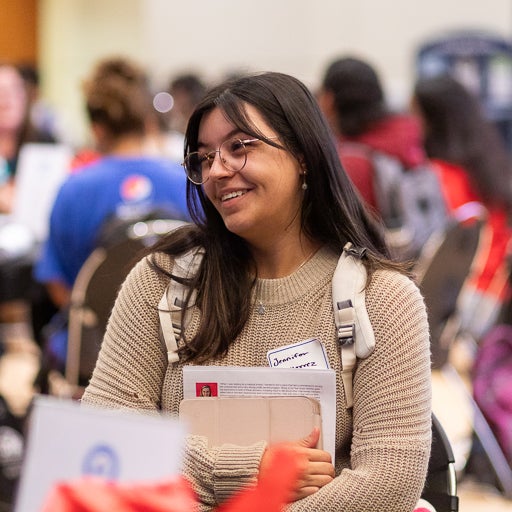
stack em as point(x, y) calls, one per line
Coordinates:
point(233, 154)
point(193, 164)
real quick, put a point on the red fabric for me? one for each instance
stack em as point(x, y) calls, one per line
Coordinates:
point(396, 135)
point(360, 170)
point(90, 494)
point(83, 158)
point(274, 487)
point(489, 274)
point(456, 185)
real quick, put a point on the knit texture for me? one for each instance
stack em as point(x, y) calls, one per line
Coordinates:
point(382, 445)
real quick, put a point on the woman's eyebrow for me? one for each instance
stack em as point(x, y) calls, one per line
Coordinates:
point(232, 133)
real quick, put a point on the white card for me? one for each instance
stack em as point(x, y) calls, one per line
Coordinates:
point(67, 440)
point(305, 354)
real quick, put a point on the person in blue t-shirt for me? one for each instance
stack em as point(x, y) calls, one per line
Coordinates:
point(125, 187)
point(127, 181)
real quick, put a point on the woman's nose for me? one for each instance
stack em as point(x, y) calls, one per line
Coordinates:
point(218, 168)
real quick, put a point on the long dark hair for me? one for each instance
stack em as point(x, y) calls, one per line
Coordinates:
point(457, 131)
point(332, 212)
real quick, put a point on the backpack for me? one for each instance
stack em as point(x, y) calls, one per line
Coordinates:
point(492, 384)
point(410, 201)
point(353, 328)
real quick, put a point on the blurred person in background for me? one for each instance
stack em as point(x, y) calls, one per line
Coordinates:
point(187, 90)
point(42, 115)
point(352, 98)
point(16, 129)
point(475, 170)
point(124, 183)
point(183, 93)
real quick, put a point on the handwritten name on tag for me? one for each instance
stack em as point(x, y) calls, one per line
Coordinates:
point(305, 354)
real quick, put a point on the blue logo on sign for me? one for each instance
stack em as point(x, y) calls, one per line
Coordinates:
point(101, 460)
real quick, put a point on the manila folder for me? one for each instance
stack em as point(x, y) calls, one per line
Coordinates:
point(246, 420)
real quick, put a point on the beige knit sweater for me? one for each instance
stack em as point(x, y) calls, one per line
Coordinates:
point(382, 447)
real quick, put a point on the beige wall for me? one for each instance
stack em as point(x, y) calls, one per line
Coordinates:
point(214, 36)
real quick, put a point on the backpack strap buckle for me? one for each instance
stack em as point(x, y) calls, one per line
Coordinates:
point(345, 322)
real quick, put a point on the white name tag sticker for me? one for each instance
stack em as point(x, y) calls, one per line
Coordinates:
point(305, 354)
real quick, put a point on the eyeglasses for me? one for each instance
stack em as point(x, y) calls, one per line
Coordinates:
point(232, 154)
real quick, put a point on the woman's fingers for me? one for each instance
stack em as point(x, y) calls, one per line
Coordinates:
point(317, 469)
point(316, 474)
point(311, 440)
point(304, 492)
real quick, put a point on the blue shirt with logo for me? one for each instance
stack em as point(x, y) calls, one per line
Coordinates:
point(108, 187)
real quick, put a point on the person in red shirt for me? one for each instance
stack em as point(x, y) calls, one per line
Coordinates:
point(352, 98)
point(475, 170)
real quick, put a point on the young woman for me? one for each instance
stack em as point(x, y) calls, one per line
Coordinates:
point(272, 210)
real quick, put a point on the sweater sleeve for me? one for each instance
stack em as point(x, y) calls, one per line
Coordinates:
point(392, 409)
point(217, 473)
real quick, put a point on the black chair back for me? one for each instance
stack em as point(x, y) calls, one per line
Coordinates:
point(441, 485)
point(95, 291)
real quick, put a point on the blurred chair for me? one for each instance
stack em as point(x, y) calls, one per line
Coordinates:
point(440, 489)
point(498, 466)
point(95, 291)
point(441, 271)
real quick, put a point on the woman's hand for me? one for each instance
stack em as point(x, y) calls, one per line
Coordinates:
point(317, 469)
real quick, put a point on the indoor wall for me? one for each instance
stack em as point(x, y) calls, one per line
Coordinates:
point(219, 36)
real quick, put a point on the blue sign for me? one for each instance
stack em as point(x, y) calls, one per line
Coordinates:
point(482, 62)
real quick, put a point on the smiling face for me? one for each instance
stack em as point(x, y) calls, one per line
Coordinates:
point(262, 202)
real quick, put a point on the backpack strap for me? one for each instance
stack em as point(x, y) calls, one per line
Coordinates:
point(173, 300)
point(350, 315)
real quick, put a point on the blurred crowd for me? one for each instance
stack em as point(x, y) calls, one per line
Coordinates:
point(132, 170)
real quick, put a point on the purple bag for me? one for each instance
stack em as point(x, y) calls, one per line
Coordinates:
point(492, 384)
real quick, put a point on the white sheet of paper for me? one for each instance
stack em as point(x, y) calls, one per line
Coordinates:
point(67, 440)
point(42, 168)
point(262, 381)
point(305, 354)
